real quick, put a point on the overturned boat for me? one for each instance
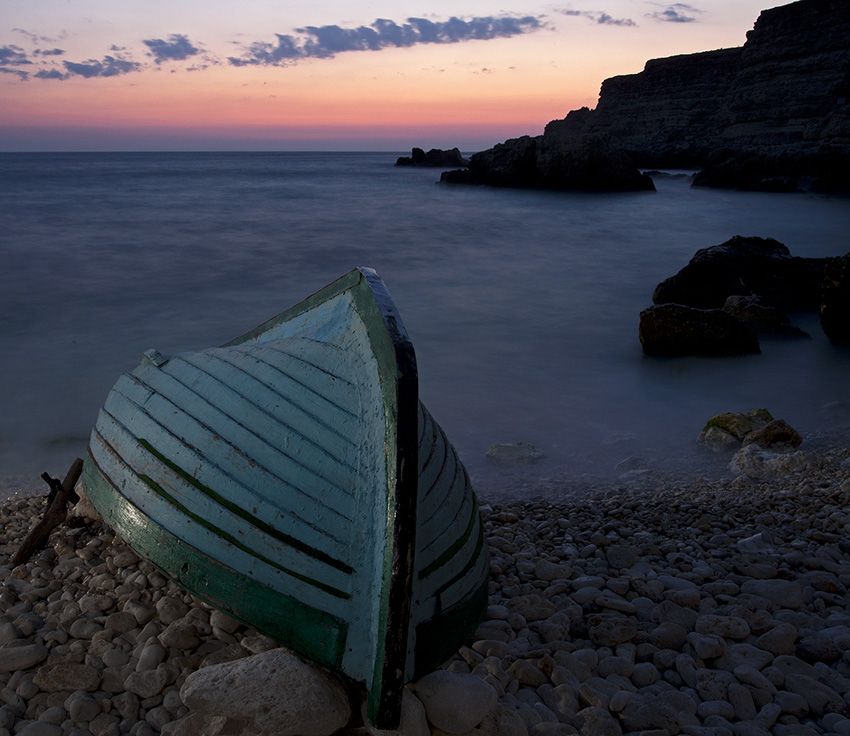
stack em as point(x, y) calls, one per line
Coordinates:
point(292, 479)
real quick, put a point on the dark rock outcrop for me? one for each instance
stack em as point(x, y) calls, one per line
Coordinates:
point(835, 301)
point(742, 266)
point(670, 330)
point(772, 115)
point(764, 319)
point(436, 157)
point(581, 163)
point(664, 116)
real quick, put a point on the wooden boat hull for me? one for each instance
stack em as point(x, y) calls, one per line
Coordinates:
point(292, 479)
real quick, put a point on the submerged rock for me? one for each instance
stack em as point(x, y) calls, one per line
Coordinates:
point(516, 453)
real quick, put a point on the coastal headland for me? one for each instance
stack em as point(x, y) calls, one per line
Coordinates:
point(772, 115)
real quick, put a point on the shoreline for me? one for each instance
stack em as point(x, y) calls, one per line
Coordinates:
point(697, 606)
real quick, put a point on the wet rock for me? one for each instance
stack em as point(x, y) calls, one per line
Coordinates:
point(777, 435)
point(745, 266)
point(728, 430)
point(670, 330)
point(764, 319)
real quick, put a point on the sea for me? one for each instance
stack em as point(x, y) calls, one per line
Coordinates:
point(522, 306)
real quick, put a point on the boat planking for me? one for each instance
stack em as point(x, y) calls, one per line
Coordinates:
point(292, 479)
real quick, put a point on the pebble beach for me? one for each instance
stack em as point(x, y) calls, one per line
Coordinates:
point(652, 605)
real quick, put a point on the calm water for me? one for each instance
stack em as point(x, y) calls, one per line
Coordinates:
point(522, 306)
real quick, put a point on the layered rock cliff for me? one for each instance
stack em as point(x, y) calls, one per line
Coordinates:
point(667, 115)
point(773, 114)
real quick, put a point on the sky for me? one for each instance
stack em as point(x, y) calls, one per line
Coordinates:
point(383, 75)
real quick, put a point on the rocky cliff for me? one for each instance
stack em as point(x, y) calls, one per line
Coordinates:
point(667, 115)
point(773, 114)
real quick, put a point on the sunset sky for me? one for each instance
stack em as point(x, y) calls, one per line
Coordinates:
point(94, 75)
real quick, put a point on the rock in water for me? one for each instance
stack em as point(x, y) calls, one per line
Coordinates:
point(762, 318)
point(584, 163)
point(675, 330)
point(516, 453)
point(745, 266)
point(835, 301)
point(275, 691)
point(728, 430)
point(436, 157)
point(777, 435)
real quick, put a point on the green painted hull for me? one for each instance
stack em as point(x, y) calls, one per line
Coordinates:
point(292, 479)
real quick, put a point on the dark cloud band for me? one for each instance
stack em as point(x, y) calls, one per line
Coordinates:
point(676, 13)
point(321, 42)
point(309, 42)
point(176, 48)
point(110, 66)
point(600, 18)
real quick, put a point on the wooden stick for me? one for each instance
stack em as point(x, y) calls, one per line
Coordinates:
point(57, 511)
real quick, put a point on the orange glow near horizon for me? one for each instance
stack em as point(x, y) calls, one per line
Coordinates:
point(290, 98)
point(500, 87)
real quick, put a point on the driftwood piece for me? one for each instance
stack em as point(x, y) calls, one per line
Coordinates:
point(57, 511)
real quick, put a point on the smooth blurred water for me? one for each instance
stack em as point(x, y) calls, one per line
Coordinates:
point(523, 306)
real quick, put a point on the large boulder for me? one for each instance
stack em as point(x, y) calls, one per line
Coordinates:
point(676, 329)
point(745, 266)
point(435, 158)
point(835, 301)
point(274, 691)
point(581, 163)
